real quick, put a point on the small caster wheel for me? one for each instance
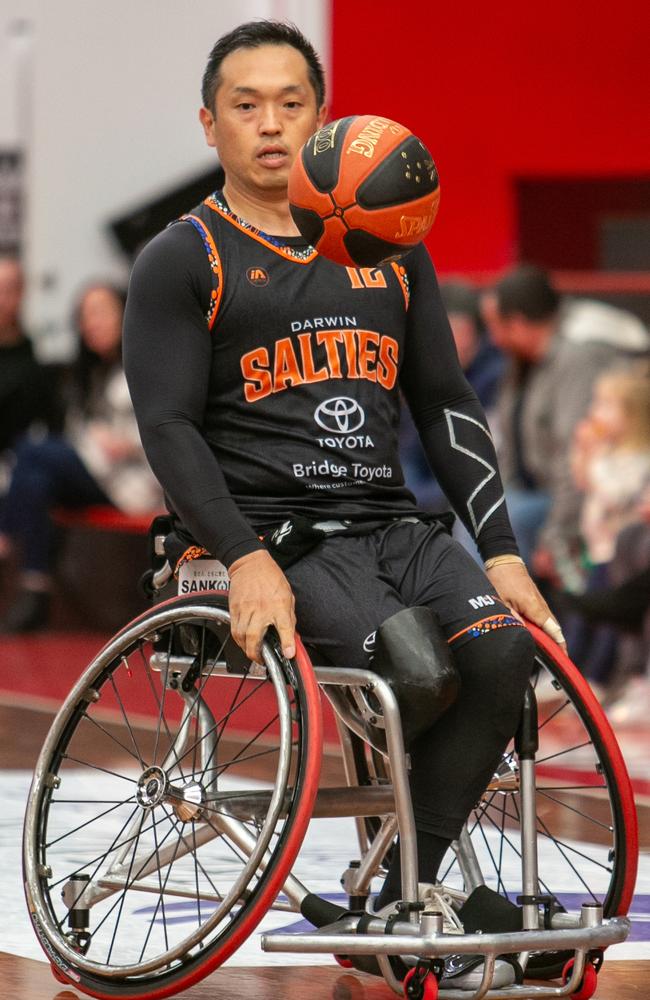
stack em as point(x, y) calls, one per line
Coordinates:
point(58, 975)
point(343, 961)
point(418, 987)
point(587, 987)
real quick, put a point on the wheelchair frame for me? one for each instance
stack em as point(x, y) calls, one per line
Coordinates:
point(428, 934)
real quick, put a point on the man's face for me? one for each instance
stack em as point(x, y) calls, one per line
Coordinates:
point(265, 111)
point(11, 292)
point(512, 334)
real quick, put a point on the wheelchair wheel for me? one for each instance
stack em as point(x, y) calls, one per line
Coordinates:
point(169, 802)
point(586, 817)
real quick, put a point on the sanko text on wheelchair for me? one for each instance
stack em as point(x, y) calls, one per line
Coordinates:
point(175, 787)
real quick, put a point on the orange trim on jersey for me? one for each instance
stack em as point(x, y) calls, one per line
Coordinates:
point(215, 266)
point(498, 621)
point(396, 268)
point(256, 236)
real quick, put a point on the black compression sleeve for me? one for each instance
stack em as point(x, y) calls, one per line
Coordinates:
point(449, 417)
point(167, 357)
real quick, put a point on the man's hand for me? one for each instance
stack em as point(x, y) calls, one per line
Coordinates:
point(260, 596)
point(516, 589)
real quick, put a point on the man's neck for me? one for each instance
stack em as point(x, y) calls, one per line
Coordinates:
point(268, 212)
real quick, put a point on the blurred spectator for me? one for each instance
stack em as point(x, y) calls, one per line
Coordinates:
point(625, 603)
point(611, 459)
point(557, 349)
point(611, 467)
point(99, 460)
point(483, 365)
point(26, 395)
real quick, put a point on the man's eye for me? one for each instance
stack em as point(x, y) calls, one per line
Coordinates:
point(245, 106)
point(293, 105)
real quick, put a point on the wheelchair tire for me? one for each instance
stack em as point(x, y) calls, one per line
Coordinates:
point(175, 787)
point(586, 815)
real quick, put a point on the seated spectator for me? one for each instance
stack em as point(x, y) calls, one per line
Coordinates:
point(483, 365)
point(25, 393)
point(611, 467)
point(99, 459)
point(557, 349)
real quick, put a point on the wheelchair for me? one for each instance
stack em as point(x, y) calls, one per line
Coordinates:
point(174, 790)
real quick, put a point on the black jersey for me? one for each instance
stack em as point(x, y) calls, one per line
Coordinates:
point(266, 380)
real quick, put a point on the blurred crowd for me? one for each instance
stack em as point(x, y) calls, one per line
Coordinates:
point(565, 383)
point(68, 439)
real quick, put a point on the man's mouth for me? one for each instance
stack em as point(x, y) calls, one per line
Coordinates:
point(272, 156)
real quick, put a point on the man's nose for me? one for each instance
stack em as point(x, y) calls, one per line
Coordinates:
point(270, 123)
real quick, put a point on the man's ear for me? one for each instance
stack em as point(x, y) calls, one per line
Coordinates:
point(206, 118)
point(322, 115)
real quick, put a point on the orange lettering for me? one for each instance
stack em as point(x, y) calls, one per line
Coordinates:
point(388, 361)
point(331, 338)
point(355, 277)
point(372, 277)
point(260, 376)
point(308, 371)
point(368, 341)
point(366, 277)
point(351, 352)
point(286, 371)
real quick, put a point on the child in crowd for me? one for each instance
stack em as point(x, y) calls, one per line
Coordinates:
point(611, 465)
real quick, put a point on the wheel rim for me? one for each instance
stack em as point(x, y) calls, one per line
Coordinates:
point(176, 804)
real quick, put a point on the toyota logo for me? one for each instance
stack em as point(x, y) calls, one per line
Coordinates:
point(340, 414)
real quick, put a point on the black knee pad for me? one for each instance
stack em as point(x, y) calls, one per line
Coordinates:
point(412, 654)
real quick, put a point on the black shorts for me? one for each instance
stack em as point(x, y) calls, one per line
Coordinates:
point(348, 585)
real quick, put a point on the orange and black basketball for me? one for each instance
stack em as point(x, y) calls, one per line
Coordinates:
point(364, 190)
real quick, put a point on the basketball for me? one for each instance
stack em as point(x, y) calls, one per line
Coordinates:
point(364, 190)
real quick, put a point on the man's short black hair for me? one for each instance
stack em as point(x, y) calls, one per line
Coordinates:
point(527, 290)
point(250, 36)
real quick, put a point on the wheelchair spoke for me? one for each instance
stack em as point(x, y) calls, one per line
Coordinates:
point(578, 812)
point(88, 822)
point(239, 759)
point(96, 767)
point(161, 704)
point(554, 714)
point(196, 875)
point(111, 736)
point(572, 788)
point(197, 864)
point(130, 881)
point(115, 845)
point(124, 715)
point(161, 898)
point(220, 724)
point(562, 753)
point(122, 897)
point(517, 852)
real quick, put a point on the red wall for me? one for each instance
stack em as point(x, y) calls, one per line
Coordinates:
point(497, 91)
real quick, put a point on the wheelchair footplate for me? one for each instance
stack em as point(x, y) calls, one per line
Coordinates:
point(420, 939)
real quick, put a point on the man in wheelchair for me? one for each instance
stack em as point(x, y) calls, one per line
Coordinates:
point(350, 558)
point(253, 363)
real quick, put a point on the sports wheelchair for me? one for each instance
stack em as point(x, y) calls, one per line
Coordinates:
point(176, 785)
